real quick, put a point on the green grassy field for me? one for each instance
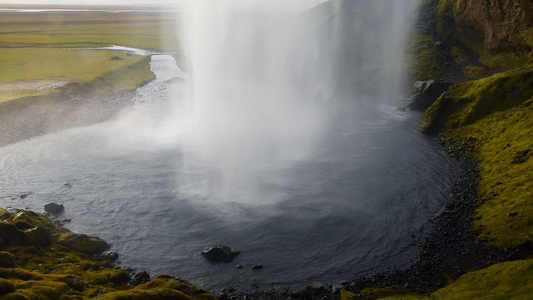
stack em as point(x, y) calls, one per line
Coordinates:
point(40, 52)
point(146, 30)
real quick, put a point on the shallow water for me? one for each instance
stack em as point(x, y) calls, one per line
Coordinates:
point(360, 202)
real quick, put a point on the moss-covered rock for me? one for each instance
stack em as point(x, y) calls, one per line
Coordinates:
point(163, 287)
point(38, 236)
point(89, 245)
point(4, 214)
point(471, 101)
point(7, 260)
point(6, 287)
point(64, 269)
point(23, 220)
point(10, 235)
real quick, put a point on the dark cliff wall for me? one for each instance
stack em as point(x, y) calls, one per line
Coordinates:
point(493, 26)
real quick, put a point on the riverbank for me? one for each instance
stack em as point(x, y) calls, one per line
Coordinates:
point(41, 91)
point(40, 259)
point(450, 256)
point(73, 104)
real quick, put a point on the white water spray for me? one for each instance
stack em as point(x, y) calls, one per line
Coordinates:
point(264, 79)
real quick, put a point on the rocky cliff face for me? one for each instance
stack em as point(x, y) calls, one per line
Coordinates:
point(493, 26)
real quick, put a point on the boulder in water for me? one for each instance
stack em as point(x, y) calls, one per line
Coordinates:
point(54, 208)
point(427, 92)
point(220, 253)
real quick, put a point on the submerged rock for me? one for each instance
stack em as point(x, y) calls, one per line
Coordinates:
point(220, 253)
point(54, 208)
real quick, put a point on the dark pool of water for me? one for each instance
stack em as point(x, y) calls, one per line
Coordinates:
point(359, 202)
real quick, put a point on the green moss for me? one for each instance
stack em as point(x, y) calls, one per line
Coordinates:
point(159, 294)
point(65, 270)
point(20, 295)
point(473, 72)
point(509, 280)
point(4, 214)
point(7, 260)
point(492, 119)
point(89, 245)
point(503, 146)
point(473, 100)
point(423, 58)
point(458, 55)
point(504, 61)
point(6, 286)
point(28, 219)
point(10, 235)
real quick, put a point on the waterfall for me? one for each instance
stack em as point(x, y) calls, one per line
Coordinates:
point(266, 78)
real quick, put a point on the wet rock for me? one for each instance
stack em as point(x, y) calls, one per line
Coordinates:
point(23, 196)
point(141, 278)
point(238, 266)
point(109, 255)
point(315, 287)
point(257, 267)
point(54, 208)
point(62, 222)
point(426, 93)
point(220, 253)
point(7, 260)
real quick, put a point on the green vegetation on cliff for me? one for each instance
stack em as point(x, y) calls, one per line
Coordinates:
point(42, 261)
point(508, 280)
point(492, 119)
point(500, 31)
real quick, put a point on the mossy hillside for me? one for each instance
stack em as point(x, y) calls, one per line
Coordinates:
point(59, 270)
point(422, 57)
point(473, 100)
point(503, 145)
point(508, 280)
point(500, 32)
point(492, 119)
